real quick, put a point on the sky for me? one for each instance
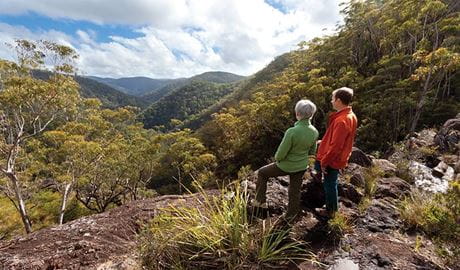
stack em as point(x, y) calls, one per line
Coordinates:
point(168, 38)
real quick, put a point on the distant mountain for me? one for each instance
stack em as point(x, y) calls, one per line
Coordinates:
point(213, 76)
point(110, 97)
point(185, 102)
point(218, 77)
point(136, 86)
point(157, 94)
point(152, 90)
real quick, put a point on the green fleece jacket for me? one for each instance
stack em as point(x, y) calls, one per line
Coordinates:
point(298, 143)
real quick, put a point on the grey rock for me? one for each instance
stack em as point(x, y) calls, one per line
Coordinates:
point(388, 168)
point(381, 216)
point(348, 191)
point(358, 180)
point(448, 136)
point(393, 187)
point(440, 170)
point(359, 157)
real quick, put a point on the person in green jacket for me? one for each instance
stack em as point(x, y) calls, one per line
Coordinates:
point(299, 142)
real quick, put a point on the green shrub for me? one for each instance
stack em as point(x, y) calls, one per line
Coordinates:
point(10, 220)
point(436, 215)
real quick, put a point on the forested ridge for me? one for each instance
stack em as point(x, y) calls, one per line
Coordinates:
point(184, 103)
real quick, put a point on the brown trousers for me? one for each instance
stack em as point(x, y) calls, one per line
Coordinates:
point(295, 183)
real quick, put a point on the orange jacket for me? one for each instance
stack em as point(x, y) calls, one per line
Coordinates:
point(335, 147)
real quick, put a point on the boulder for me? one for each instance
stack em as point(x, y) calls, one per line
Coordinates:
point(393, 187)
point(448, 136)
point(358, 180)
point(355, 173)
point(359, 157)
point(440, 170)
point(388, 168)
point(312, 195)
point(381, 216)
point(349, 192)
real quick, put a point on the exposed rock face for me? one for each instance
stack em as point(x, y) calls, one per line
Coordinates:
point(102, 241)
point(360, 158)
point(448, 136)
point(388, 168)
point(425, 179)
point(393, 187)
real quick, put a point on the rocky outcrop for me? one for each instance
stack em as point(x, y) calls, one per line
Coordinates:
point(448, 136)
point(392, 187)
point(388, 169)
point(359, 157)
point(103, 241)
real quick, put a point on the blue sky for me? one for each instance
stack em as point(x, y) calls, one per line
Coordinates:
point(168, 39)
point(39, 23)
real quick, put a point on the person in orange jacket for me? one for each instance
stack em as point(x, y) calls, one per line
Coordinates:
point(335, 147)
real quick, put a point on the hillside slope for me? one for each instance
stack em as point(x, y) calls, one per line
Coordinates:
point(185, 102)
point(136, 86)
point(110, 97)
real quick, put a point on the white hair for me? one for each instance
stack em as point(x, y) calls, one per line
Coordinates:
point(305, 109)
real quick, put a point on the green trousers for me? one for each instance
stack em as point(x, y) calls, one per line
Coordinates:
point(295, 183)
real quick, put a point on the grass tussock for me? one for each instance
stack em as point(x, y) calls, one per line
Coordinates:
point(437, 216)
point(216, 234)
point(339, 225)
point(371, 175)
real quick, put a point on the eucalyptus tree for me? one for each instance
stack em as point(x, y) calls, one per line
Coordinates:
point(29, 106)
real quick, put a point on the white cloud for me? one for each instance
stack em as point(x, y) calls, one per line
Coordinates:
point(9, 33)
point(180, 38)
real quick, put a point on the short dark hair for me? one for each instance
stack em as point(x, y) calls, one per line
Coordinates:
point(345, 94)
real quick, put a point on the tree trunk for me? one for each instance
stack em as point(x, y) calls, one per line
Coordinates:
point(64, 202)
point(180, 181)
point(420, 103)
point(21, 204)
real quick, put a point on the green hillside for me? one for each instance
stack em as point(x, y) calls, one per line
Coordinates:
point(185, 102)
point(136, 86)
point(214, 76)
point(110, 97)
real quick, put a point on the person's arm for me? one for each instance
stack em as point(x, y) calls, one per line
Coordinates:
point(339, 136)
point(314, 147)
point(285, 146)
